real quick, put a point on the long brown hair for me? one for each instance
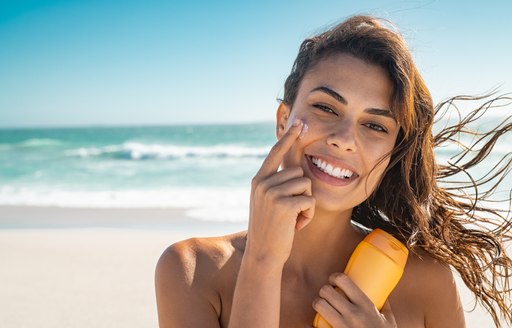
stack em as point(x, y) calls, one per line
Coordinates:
point(421, 201)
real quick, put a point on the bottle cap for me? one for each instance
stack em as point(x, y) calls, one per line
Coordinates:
point(389, 245)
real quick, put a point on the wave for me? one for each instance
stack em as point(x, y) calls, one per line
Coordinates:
point(206, 203)
point(32, 143)
point(39, 142)
point(140, 151)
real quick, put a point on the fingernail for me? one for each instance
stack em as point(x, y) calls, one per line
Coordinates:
point(304, 130)
point(297, 122)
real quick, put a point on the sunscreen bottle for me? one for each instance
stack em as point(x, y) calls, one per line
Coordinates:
point(376, 266)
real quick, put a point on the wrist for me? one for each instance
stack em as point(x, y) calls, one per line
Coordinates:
point(262, 263)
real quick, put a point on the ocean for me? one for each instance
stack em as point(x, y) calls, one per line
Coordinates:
point(205, 169)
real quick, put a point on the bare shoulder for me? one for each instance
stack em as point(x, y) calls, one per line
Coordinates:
point(187, 277)
point(204, 254)
point(435, 290)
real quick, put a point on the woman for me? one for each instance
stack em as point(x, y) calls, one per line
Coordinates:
point(355, 148)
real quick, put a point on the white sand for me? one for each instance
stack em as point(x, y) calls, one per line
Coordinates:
point(79, 278)
point(97, 276)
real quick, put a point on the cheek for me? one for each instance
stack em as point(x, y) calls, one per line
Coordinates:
point(312, 130)
point(295, 155)
point(310, 126)
point(376, 173)
point(378, 152)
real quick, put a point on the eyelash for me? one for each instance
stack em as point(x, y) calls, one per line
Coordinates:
point(376, 127)
point(325, 108)
point(329, 110)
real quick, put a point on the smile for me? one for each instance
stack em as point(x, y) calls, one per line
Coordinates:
point(330, 172)
point(336, 172)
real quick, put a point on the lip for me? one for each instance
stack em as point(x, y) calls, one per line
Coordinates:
point(322, 176)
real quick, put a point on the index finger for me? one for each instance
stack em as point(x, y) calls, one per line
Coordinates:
point(276, 155)
point(350, 289)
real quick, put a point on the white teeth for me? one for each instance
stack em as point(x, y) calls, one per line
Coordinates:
point(332, 171)
point(329, 169)
point(346, 173)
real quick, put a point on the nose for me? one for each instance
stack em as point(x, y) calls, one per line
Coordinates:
point(342, 136)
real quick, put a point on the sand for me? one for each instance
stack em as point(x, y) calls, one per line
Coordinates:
point(95, 267)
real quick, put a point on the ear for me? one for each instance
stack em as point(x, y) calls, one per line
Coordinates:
point(282, 117)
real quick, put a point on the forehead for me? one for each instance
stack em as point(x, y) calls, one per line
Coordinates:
point(350, 76)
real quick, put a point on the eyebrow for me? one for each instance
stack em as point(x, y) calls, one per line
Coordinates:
point(331, 93)
point(340, 99)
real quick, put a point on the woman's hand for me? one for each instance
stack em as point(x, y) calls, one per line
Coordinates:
point(344, 305)
point(281, 203)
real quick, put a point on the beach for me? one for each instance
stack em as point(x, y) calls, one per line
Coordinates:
point(127, 128)
point(96, 271)
point(70, 267)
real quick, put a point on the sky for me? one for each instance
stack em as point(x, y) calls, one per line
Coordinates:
point(106, 62)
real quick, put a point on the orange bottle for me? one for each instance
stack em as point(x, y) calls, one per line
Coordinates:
point(376, 266)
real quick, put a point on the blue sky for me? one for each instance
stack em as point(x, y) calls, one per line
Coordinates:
point(81, 63)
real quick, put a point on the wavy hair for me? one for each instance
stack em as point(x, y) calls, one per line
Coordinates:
point(441, 208)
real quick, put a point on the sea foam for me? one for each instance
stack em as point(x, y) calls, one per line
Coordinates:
point(211, 204)
point(141, 151)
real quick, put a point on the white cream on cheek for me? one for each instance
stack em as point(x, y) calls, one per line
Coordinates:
point(305, 129)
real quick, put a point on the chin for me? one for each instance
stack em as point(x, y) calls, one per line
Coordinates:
point(330, 203)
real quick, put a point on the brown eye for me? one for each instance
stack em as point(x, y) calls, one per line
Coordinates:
point(376, 127)
point(325, 108)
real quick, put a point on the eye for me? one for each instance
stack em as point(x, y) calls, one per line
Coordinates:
point(325, 108)
point(376, 127)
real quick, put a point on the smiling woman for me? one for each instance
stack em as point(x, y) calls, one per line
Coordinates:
point(342, 112)
point(355, 152)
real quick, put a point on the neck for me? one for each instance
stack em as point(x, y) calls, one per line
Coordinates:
point(323, 246)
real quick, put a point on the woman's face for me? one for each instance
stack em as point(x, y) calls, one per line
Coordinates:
point(345, 103)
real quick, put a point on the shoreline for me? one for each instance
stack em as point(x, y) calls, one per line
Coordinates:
point(52, 217)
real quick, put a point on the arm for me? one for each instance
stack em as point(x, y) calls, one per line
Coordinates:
point(281, 202)
point(181, 300)
point(257, 297)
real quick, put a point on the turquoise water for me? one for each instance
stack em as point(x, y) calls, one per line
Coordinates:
point(206, 169)
point(168, 166)
point(138, 157)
